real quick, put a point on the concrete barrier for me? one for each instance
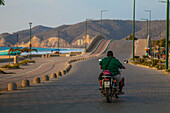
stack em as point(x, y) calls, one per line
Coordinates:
point(53, 75)
point(12, 86)
point(75, 53)
point(25, 83)
point(63, 72)
point(43, 56)
point(59, 74)
point(36, 80)
point(45, 78)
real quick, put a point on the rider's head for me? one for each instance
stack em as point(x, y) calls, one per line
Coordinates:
point(110, 54)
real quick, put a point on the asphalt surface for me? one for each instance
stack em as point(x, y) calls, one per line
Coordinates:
point(101, 48)
point(146, 90)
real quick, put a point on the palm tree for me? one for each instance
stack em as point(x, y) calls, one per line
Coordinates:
point(2, 2)
point(11, 50)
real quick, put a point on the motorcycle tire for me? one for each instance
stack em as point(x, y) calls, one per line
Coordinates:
point(116, 96)
point(108, 95)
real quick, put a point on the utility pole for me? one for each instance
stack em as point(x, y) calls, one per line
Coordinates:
point(167, 36)
point(30, 23)
point(58, 42)
point(134, 30)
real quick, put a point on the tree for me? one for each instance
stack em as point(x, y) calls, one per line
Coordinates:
point(2, 2)
point(11, 50)
point(131, 37)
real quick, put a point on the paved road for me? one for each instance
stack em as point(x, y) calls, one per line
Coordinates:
point(147, 91)
point(101, 48)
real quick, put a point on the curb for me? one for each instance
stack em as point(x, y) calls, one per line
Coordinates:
point(13, 86)
point(162, 71)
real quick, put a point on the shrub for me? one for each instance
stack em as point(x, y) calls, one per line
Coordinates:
point(14, 66)
point(145, 56)
point(133, 62)
point(162, 61)
point(131, 59)
point(136, 57)
point(162, 66)
point(5, 66)
point(156, 66)
point(24, 62)
point(167, 70)
point(154, 61)
point(31, 61)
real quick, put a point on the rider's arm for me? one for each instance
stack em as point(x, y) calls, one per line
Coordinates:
point(100, 63)
point(120, 64)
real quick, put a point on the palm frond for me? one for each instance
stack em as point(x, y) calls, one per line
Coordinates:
point(2, 2)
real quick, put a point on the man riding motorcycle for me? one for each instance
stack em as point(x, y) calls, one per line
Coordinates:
point(113, 65)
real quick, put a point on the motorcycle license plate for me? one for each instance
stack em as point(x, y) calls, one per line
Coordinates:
point(107, 84)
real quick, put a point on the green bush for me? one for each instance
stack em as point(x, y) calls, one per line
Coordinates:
point(131, 59)
point(162, 61)
point(167, 70)
point(24, 62)
point(154, 61)
point(14, 66)
point(133, 62)
point(31, 61)
point(136, 57)
point(145, 56)
point(156, 66)
point(5, 66)
point(162, 66)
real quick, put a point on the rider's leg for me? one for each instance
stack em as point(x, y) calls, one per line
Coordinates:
point(100, 83)
point(121, 84)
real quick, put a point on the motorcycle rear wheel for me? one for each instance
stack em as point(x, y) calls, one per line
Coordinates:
point(108, 95)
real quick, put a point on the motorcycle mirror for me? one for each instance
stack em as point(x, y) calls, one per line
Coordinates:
point(100, 60)
point(126, 61)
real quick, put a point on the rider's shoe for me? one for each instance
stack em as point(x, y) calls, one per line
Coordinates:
point(100, 88)
point(121, 93)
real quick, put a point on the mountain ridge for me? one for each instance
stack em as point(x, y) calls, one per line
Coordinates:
point(120, 29)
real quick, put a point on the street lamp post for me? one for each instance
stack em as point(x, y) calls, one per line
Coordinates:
point(167, 34)
point(58, 42)
point(133, 30)
point(86, 33)
point(102, 20)
point(146, 26)
point(30, 23)
point(150, 20)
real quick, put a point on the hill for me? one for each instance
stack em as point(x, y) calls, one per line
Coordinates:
point(69, 34)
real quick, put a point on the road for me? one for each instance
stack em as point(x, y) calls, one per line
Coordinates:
point(101, 48)
point(146, 90)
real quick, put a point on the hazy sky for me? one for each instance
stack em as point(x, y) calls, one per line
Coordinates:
point(16, 14)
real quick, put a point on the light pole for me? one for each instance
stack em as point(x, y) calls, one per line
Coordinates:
point(146, 26)
point(86, 33)
point(133, 30)
point(58, 42)
point(30, 23)
point(150, 12)
point(102, 20)
point(167, 34)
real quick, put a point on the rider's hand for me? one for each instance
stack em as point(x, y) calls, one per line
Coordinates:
point(124, 67)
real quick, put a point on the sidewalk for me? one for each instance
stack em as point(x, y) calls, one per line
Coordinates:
point(43, 66)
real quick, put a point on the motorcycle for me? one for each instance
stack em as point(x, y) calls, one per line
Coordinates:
point(109, 87)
